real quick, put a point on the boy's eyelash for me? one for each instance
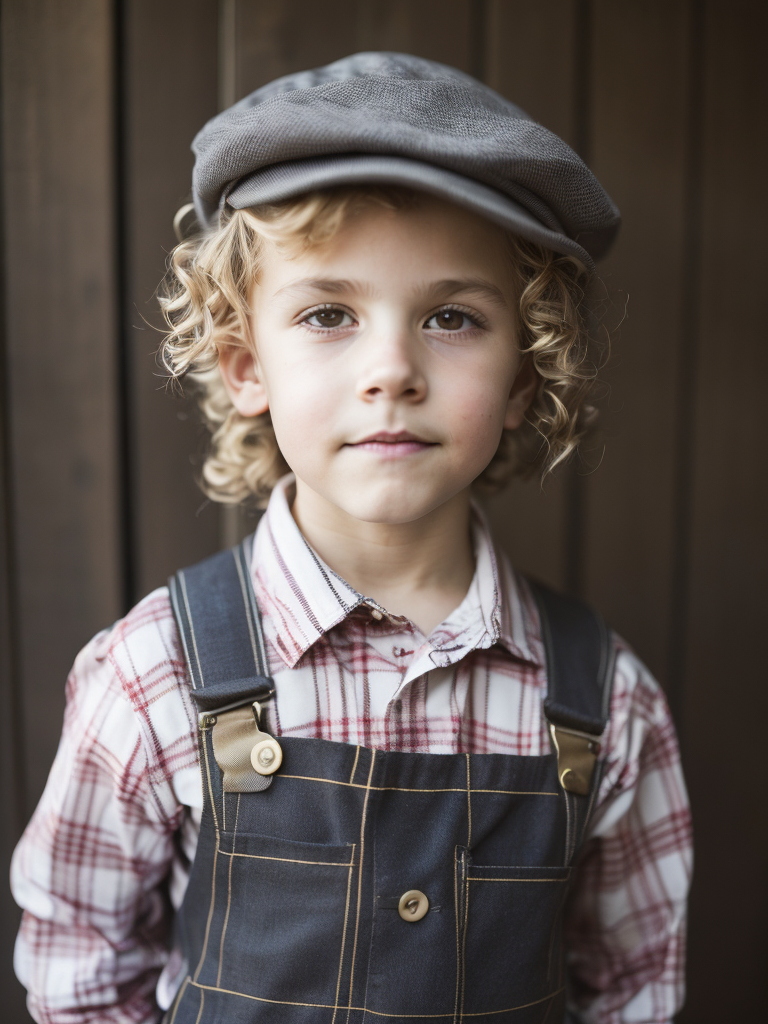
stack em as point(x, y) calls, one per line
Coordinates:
point(324, 307)
point(476, 318)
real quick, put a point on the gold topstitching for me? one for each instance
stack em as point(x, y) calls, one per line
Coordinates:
point(179, 997)
point(458, 954)
point(256, 659)
point(215, 859)
point(469, 807)
point(191, 626)
point(464, 937)
point(354, 766)
point(292, 860)
point(229, 891)
point(360, 876)
point(408, 789)
point(202, 1004)
point(343, 934)
point(474, 878)
point(377, 1013)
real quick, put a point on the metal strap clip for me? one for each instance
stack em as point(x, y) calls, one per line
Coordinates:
point(576, 757)
point(207, 719)
point(246, 755)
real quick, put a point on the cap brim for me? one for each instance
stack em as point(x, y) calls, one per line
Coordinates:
point(292, 178)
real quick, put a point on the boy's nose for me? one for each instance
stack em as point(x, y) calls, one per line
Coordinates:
point(391, 370)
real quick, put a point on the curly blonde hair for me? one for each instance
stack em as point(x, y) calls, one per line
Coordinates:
point(204, 300)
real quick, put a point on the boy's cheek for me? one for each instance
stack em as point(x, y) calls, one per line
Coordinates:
point(479, 410)
point(298, 407)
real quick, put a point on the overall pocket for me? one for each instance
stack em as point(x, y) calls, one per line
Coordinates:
point(281, 909)
point(511, 943)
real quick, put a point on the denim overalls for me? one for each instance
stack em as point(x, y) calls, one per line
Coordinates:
point(335, 884)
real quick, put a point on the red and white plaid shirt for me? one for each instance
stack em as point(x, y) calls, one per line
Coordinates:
point(121, 809)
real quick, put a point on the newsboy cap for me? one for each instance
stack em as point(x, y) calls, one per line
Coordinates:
point(392, 118)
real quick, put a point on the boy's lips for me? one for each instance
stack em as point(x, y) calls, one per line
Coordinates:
point(392, 445)
point(388, 437)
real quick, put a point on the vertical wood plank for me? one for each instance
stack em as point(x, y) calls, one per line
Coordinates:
point(725, 702)
point(531, 59)
point(61, 346)
point(639, 97)
point(11, 762)
point(276, 39)
point(169, 92)
point(441, 30)
point(60, 532)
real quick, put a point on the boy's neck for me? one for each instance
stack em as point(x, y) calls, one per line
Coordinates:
point(420, 569)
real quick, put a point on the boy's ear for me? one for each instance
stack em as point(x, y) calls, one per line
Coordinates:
point(242, 380)
point(522, 394)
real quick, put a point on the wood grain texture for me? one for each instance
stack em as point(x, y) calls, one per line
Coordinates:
point(169, 91)
point(725, 705)
point(270, 40)
point(530, 57)
point(443, 30)
point(276, 39)
point(61, 346)
point(639, 87)
point(11, 759)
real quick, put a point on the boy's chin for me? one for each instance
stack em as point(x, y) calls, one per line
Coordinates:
point(391, 506)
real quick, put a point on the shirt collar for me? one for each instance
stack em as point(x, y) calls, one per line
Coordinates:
point(301, 598)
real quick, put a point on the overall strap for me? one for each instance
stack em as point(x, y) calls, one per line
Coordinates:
point(580, 656)
point(220, 628)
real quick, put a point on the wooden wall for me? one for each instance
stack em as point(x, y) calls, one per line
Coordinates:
point(663, 525)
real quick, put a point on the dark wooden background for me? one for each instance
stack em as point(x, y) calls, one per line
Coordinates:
point(666, 100)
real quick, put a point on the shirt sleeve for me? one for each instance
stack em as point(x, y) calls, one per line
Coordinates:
point(625, 924)
point(90, 870)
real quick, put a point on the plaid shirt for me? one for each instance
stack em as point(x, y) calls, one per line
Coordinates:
point(121, 810)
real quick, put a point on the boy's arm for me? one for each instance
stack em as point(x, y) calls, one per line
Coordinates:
point(91, 867)
point(625, 926)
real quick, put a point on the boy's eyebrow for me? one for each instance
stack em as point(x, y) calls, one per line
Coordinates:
point(478, 286)
point(320, 284)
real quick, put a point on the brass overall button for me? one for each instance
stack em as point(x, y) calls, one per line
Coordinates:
point(413, 905)
point(266, 756)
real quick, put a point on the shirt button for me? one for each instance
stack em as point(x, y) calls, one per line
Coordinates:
point(413, 905)
point(400, 652)
point(376, 614)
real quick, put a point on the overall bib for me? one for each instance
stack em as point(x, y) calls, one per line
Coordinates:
point(354, 885)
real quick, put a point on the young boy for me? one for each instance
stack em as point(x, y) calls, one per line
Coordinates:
point(358, 769)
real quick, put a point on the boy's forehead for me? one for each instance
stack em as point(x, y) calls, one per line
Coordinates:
point(431, 246)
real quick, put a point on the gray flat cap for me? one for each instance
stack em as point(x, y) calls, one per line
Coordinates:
point(397, 119)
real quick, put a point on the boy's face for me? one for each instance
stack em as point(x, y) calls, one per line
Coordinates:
point(388, 359)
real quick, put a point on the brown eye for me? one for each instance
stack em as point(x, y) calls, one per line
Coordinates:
point(449, 320)
point(327, 318)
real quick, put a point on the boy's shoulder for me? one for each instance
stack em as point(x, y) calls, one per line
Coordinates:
point(143, 649)
point(135, 669)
